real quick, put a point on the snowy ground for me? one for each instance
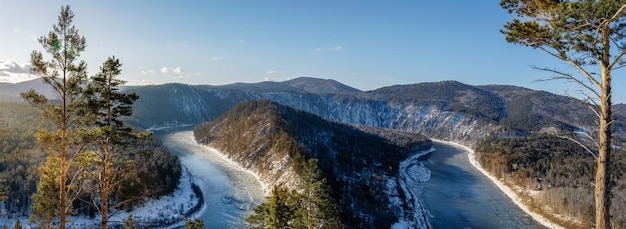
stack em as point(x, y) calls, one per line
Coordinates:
point(505, 189)
point(170, 208)
point(412, 172)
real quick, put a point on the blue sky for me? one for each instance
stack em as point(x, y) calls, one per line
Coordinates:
point(364, 44)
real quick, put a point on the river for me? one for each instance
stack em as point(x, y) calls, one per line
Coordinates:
point(457, 195)
point(230, 192)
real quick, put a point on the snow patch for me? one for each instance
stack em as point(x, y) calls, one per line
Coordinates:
point(412, 172)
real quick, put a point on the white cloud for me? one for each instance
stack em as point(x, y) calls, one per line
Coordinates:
point(266, 78)
point(271, 72)
point(17, 30)
point(14, 72)
point(140, 82)
point(337, 48)
point(175, 71)
point(147, 72)
point(217, 58)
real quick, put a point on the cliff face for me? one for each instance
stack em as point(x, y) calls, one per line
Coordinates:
point(449, 113)
point(272, 140)
point(445, 110)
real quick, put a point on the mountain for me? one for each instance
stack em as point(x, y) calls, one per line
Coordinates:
point(14, 89)
point(446, 110)
point(320, 86)
point(273, 141)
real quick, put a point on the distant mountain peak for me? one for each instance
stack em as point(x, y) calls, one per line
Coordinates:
point(320, 86)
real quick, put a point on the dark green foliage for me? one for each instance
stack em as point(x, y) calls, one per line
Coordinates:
point(276, 212)
point(3, 193)
point(19, 154)
point(17, 225)
point(315, 207)
point(309, 207)
point(129, 223)
point(194, 224)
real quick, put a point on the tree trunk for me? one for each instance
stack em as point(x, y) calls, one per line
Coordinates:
point(63, 169)
point(105, 188)
point(602, 188)
point(62, 207)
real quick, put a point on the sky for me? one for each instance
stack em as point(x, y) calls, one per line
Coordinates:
point(364, 44)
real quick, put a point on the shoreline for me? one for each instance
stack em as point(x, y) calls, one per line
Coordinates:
point(512, 195)
point(418, 217)
point(233, 163)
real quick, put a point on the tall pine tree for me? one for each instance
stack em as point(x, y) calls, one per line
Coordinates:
point(590, 36)
point(315, 205)
point(277, 211)
point(309, 207)
point(66, 74)
point(106, 106)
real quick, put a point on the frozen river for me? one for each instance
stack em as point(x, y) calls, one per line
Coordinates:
point(457, 195)
point(230, 193)
point(460, 196)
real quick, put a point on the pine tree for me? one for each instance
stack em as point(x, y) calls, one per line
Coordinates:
point(315, 206)
point(589, 36)
point(3, 194)
point(44, 201)
point(276, 212)
point(66, 75)
point(18, 224)
point(194, 224)
point(106, 106)
point(129, 223)
point(309, 207)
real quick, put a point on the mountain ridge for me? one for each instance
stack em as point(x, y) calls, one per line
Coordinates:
point(273, 140)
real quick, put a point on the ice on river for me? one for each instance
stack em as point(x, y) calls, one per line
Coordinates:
point(230, 191)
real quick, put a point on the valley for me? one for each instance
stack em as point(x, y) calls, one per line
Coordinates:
point(360, 138)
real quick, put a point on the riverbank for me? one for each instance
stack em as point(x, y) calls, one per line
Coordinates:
point(509, 192)
point(229, 161)
point(412, 172)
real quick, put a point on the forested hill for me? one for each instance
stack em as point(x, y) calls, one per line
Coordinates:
point(156, 170)
point(274, 141)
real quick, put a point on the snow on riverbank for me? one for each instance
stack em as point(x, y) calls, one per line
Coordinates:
point(230, 162)
point(504, 188)
point(412, 172)
point(167, 211)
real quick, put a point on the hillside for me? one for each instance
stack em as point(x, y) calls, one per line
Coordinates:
point(156, 170)
point(272, 140)
point(320, 86)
